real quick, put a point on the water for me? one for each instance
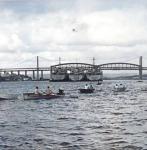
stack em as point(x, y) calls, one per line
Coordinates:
point(100, 121)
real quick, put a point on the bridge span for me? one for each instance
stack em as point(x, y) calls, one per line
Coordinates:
point(119, 66)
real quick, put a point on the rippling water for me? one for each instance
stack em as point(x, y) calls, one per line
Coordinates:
point(101, 121)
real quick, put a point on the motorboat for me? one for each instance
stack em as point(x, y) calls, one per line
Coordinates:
point(32, 96)
point(89, 90)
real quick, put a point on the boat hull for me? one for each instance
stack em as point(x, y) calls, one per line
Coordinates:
point(95, 77)
point(120, 89)
point(32, 96)
point(86, 90)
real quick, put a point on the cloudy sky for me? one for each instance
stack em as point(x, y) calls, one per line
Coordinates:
point(75, 30)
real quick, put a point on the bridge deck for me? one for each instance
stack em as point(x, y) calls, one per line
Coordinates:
point(109, 66)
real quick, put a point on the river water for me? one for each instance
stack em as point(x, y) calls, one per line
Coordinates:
point(101, 121)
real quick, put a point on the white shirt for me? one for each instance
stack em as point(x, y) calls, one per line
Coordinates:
point(86, 86)
point(36, 91)
point(48, 91)
point(116, 86)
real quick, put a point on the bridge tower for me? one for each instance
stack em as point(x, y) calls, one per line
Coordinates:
point(37, 68)
point(59, 60)
point(93, 60)
point(140, 67)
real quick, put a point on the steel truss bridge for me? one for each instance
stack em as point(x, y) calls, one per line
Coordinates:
point(74, 68)
point(119, 66)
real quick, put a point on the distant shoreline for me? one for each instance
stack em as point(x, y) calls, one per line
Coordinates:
point(132, 77)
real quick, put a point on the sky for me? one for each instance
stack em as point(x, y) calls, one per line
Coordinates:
point(74, 30)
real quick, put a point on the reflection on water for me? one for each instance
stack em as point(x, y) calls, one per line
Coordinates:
point(104, 120)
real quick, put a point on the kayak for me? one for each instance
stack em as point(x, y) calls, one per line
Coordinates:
point(32, 96)
point(86, 90)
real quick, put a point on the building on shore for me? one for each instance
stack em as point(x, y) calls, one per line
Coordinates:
point(13, 77)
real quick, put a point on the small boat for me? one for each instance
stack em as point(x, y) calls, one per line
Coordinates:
point(123, 89)
point(140, 81)
point(119, 88)
point(86, 90)
point(8, 96)
point(144, 89)
point(2, 98)
point(32, 96)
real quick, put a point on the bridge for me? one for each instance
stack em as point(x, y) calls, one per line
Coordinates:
point(34, 71)
point(74, 68)
point(75, 72)
point(119, 66)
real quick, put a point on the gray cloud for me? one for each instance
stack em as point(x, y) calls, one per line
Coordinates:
point(25, 7)
point(44, 6)
point(106, 44)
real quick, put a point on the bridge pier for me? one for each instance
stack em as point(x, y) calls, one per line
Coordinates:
point(25, 72)
point(50, 72)
point(41, 74)
point(140, 68)
point(18, 72)
point(33, 75)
